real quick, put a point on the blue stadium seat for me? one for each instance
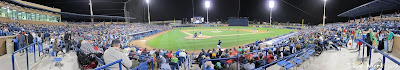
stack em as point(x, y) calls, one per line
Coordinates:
point(285, 64)
point(297, 60)
point(57, 63)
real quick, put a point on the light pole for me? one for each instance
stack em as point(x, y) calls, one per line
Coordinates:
point(148, 10)
point(91, 11)
point(207, 5)
point(323, 20)
point(271, 4)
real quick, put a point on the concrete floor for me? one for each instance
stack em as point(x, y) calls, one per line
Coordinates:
point(69, 61)
point(346, 59)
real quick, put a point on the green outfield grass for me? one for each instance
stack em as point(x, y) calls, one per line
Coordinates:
point(223, 32)
point(174, 40)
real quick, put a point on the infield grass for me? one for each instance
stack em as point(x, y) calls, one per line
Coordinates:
point(174, 40)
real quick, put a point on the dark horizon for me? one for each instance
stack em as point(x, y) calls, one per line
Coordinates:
point(220, 9)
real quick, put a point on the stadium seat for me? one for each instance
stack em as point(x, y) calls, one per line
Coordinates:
point(285, 64)
point(57, 63)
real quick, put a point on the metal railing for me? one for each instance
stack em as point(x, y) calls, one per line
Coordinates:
point(119, 61)
point(27, 54)
point(144, 63)
point(101, 62)
point(383, 54)
point(150, 58)
point(112, 63)
point(189, 61)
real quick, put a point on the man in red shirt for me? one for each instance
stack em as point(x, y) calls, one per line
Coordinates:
point(270, 57)
point(344, 30)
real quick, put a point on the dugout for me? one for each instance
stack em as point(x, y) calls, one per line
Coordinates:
point(238, 21)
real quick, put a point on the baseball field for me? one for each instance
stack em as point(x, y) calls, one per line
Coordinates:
point(183, 38)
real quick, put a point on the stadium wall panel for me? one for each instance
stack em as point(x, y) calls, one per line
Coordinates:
point(238, 21)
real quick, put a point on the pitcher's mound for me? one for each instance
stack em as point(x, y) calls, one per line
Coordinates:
point(216, 31)
point(198, 37)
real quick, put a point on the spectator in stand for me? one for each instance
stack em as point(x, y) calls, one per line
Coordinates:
point(240, 49)
point(369, 40)
point(21, 41)
point(67, 41)
point(174, 63)
point(208, 64)
point(390, 41)
point(233, 65)
point(164, 65)
point(381, 39)
point(177, 52)
point(250, 65)
point(1, 32)
point(135, 61)
point(30, 38)
point(144, 52)
point(218, 66)
point(39, 41)
point(151, 52)
point(56, 47)
point(114, 53)
point(270, 57)
point(182, 56)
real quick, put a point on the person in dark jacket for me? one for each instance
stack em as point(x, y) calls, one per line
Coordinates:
point(369, 41)
point(67, 42)
point(21, 41)
point(30, 38)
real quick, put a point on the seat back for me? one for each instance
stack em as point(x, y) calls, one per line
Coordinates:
point(57, 59)
point(83, 59)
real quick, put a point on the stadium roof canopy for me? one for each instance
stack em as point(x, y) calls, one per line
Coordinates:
point(76, 15)
point(372, 7)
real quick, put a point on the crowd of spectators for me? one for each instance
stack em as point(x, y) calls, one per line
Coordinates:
point(331, 36)
point(99, 40)
point(252, 56)
point(87, 39)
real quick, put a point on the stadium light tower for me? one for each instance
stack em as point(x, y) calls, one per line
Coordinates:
point(148, 10)
point(207, 4)
point(324, 17)
point(271, 4)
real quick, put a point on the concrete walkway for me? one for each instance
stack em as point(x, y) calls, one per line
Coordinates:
point(346, 59)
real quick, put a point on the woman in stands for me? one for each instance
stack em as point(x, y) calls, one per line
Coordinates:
point(381, 38)
point(57, 47)
point(369, 40)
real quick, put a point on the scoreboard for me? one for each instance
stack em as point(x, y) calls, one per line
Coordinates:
point(197, 20)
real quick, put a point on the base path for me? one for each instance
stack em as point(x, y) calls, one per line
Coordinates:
point(198, 37)
point(142, 43)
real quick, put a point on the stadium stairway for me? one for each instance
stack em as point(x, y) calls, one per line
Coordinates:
point(42, 63)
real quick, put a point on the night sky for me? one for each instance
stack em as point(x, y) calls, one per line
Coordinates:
point(220, 9)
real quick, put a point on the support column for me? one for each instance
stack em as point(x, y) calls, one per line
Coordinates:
point(126, 13)
point(91, 11)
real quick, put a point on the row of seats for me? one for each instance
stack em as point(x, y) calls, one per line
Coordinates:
point(297, 59)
